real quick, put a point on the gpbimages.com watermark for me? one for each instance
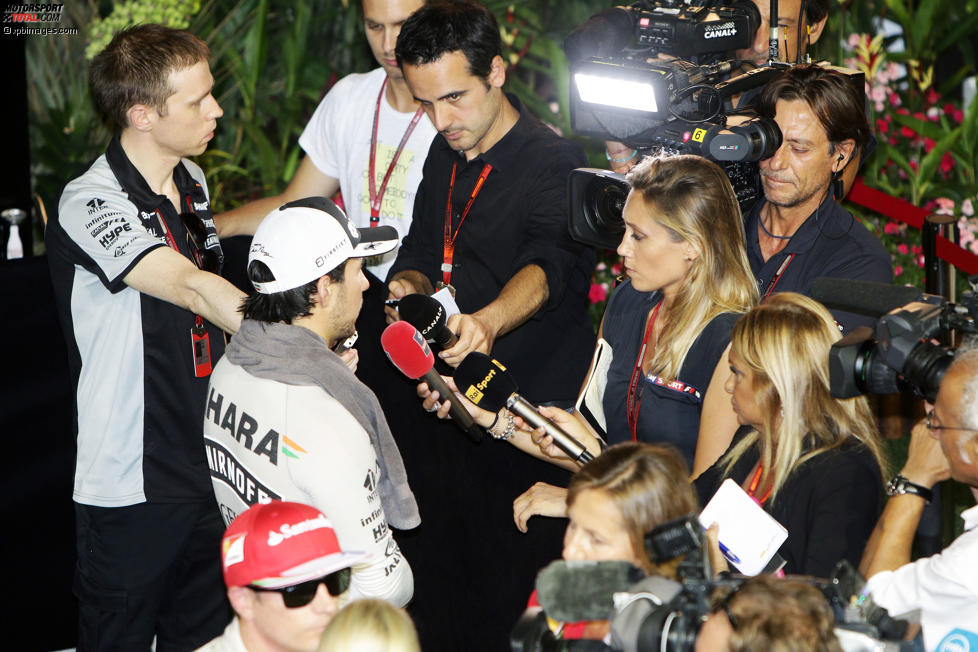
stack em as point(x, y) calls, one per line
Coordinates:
point(31, 19)
point(40, 31)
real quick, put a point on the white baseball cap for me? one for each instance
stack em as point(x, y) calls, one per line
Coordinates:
point(307, 238)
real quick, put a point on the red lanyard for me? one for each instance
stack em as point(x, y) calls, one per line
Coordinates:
point(449, 250)
point(170, 240)
point(633, 402)
point(777, 276)
point(752, 488)
point(377, 198)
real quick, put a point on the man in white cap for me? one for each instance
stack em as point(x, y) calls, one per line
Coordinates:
point(284, 570)
point(285, 416)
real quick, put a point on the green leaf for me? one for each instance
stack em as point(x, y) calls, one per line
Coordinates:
point(922, 30)
point(901, 13)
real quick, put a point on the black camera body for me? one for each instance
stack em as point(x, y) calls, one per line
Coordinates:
point(898, 355)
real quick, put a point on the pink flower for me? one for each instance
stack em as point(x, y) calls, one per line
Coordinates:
point(945, 206)
point(616, 268)
point(949, 108)
point(854, 40)
point(598, 293)
point(933, 113)
point(601, 266)
point(920, 261)
point(914, 164)
point(903, 111)
point(907, 132)
point(903, 249)
point(882, 126)
point(897, 270)
point(932, 96)
point(891, 228)
point(958, 116)
point(967, 208)
point(916, 249)
point(928, 144)
point(894, 100)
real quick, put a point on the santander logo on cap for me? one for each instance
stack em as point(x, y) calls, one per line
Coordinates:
point(288, 531)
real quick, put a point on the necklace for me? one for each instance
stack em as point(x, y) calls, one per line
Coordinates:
point(760, 220)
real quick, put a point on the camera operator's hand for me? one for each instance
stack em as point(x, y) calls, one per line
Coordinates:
point(926, 463)
point(621, 157)
point(541, 499)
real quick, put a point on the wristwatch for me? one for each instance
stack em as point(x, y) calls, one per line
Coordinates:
point(899, 485)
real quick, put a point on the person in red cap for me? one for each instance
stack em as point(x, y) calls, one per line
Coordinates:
point(284, 572)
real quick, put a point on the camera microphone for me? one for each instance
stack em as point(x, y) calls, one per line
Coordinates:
point(410, 353)
point(485, 382)
point(428, 316)
point(863, 297)
point(571, 591)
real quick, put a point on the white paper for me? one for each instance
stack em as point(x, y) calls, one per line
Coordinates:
point(750, 535)
point(592, 397)
point(445, 298)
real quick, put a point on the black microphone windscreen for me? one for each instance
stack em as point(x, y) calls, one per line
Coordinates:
point(604, 34)
point(484, 381)
point(862, 297)
point(427, 315)
point(571, 591)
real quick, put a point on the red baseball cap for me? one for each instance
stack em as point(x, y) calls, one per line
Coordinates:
point(279, 543)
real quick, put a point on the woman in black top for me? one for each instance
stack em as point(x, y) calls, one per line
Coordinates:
point(668, 325)
point(812, 461)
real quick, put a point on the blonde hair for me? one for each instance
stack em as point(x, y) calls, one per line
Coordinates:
point(649, 484)
point(785, 342)
point(692, 199)
point(370, 626)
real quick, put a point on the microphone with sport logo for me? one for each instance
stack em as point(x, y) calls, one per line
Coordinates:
point(410, 353)
point(485, 382)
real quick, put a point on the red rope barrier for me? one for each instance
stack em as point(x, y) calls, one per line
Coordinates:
point(903, 211)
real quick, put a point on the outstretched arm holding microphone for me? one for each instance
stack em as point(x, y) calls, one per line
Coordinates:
point(481, 382)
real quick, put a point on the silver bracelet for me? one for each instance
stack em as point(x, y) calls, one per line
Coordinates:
point(508, 432)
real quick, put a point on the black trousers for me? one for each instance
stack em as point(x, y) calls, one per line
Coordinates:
point(149, 570)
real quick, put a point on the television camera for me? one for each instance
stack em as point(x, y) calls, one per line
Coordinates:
point(658, 614)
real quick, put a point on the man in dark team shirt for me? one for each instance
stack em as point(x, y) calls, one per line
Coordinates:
point(134, 258)
point(799, 232)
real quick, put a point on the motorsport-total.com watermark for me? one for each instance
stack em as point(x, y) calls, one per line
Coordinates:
point(34, 20)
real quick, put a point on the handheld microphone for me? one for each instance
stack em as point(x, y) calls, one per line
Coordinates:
point(428, 316)
point(863, 297)
point(571, 591)
point(484, 381)
point(409, 352)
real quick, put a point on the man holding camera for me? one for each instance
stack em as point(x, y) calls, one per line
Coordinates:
point(799, 232)
point(944, 587)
